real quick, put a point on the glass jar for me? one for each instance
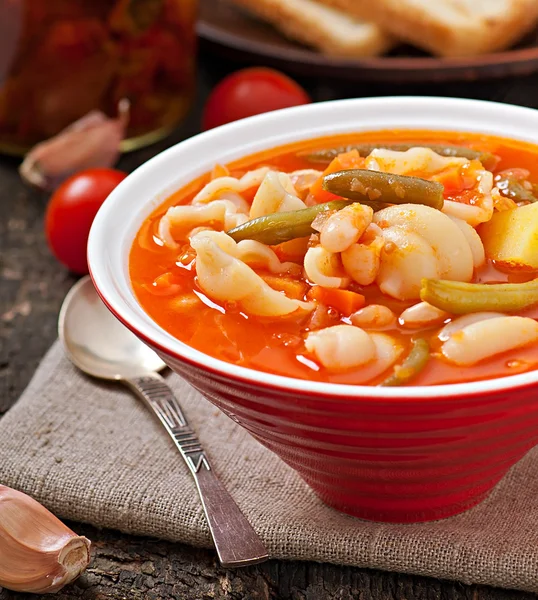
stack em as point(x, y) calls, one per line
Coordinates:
point(60, 59)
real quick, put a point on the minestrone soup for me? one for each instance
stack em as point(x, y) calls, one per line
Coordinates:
point(387, 258)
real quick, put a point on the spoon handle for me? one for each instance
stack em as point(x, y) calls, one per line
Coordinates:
point(236, 541)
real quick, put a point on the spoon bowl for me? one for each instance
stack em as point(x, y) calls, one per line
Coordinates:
point(96, 342)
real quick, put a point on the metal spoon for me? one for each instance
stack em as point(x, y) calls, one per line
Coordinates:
point(98, 344)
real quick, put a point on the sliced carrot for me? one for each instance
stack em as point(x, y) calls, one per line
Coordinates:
point(451, 179)
point(293, 250)
point(348, 160)
point(291, 287)
point(219, 171)
point(345, 301)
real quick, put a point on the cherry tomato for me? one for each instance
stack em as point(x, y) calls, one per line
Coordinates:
point(71, 211)
point(251, 92)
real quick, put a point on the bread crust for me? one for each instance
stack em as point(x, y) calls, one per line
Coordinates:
point(344, 35)
point(447, 27)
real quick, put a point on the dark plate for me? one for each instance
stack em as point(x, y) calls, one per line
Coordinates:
point(241, 37)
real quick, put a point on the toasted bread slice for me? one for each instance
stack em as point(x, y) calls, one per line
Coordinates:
point(322, 27)
point(449, 27)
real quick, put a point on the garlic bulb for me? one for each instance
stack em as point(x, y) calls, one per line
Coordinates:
point(38, 553)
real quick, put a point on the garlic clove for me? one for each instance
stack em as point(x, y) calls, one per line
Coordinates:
point(92, 141)
point(38, 553)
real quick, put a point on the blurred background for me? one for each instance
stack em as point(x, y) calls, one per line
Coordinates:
point(64, 59)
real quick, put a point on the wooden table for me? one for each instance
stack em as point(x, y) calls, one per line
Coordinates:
point(32, 287)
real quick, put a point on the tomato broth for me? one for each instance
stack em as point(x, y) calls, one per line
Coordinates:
point(165, 283)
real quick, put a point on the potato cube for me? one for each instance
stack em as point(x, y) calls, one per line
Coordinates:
point(511, 237)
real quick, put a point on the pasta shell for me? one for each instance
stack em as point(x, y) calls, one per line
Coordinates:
point(225, 278)
point(446, 239)
point(324, 268)
point(275, 194)
point(405, 260)
point(414, 160)
point(222, 185)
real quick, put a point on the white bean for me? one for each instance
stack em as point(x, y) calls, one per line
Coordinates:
point(345, 227)
point(458, 324)
point(185, 302)
point(361, 261)
point(422, 315)
point(488, 338)
point(341, 347)
point(374, 316)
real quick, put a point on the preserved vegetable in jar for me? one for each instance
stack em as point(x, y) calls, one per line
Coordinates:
point(61, 59)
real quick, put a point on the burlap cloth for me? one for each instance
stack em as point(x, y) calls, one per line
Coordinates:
point(90, 452)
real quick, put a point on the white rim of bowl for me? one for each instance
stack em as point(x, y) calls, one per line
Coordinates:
point(108, 252)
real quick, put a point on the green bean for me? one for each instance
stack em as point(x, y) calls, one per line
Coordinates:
point(328, 154)
point(366, 186)
point(414, 363)
point(462, 298)
point(282, 227)
point(510, 188)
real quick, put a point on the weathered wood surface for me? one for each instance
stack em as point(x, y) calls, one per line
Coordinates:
point(129, 568)
point(32, 286)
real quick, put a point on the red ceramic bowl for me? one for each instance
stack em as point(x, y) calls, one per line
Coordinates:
point(387, 454)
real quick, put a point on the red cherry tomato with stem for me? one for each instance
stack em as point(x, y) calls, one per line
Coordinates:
point(71, 211)
point(251, 92)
